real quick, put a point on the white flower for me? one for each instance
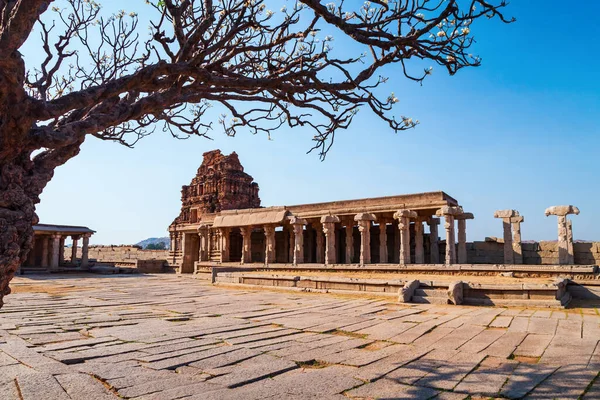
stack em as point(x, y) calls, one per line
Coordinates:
point(328, 38)
point(421, 16)
point(283, 9)
point(441, 34)
point(450, 59)
point(269, 13)
point(465, 31)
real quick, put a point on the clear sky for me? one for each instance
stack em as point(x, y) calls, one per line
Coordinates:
point(521, 132)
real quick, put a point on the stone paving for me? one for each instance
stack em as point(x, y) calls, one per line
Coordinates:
point(168, 337)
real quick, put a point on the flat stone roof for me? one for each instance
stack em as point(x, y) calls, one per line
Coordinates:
point(51, 228)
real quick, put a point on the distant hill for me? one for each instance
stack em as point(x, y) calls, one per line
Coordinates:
point(144, 243)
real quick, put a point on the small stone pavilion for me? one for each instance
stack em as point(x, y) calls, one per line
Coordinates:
point(49, 243)
point(221, 221)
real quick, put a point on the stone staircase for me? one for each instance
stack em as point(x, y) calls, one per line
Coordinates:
point(430, 295)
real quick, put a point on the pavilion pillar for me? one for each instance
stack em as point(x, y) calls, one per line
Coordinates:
point(403, 217)
point(419, 248)
point(84, 251)
point(516, 239)
point(364, 227)
point(328, 222)
point(61, 250)
point(270, 244)
point(462, 236)
point(246, 232)
point(290, 257)
point(224, 244)
point(74, 249)
point(320, 244)
point(449, 212)
point(55, 247)
point(45, 257)
point(507, 216)
point(434, 249)
point(203, 243)
point(298, 228)
point(173, 244)
point(349, 241)
point(383, 250)
point(565, 232)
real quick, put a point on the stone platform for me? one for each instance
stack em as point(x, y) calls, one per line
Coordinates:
point(168, 337)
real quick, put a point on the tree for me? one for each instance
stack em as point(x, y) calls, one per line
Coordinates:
point(265, 69)
point(156, 246)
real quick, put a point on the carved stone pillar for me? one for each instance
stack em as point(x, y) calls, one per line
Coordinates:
point(419, 249)
point(55, 247)
point(328, 222)
point(403, 217)
point(320, 254)
point(203, 242)
point(449, 213)
point(516, 242)
point(84, 251)
point(507, 216)
point(246, 232)
point(224, 244)
point(173, 244)
point(298, 229)
point(349, 241)
point(565, 232)
point(364, 227)
point(45, 242)
point(270, 244)
point(61, 250)
point(290, 258)
point(434, 248)
point(74, 249)
point(462, 236)
point(383, 249)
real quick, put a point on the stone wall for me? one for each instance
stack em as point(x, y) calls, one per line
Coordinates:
point(120, 254)
point(492, 252)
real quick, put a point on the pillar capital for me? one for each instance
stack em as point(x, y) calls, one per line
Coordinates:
point(330, 219)
point(433, 221)
point(561, 211)
point(294, 220)
point(405, 214)
point(365, 217)
point(464, 216)
point(449, 210)
point(506, 213)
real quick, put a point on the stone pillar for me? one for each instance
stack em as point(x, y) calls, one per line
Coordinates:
point(290, 258)
point(45, 257)
point(516, 242)
point(203, 246)
point(364, 227)
point(172, 236)
point(55, 247)
point(396, 252)
point(320, 244)
point(419, 249)
point(403, 217)
point(507, 216)
point(565, 232)
point(349, 241)
point(246, 232)
point(74, 249)
point(270, 244)
point(462, 236)
point(449, 212)
point(328, 222)
point(383, 250)
point(84, 251)
point(224, 244)
point(61, 250)
point(298, 227)
point(434, 240)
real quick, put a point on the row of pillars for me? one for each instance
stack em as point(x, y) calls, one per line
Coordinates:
point(53, 250)
point(511, 224)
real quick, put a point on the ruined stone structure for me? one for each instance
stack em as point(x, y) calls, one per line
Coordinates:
point(220, 184)
point(49, 244)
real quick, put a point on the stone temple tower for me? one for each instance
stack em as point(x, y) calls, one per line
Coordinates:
point(220, 184)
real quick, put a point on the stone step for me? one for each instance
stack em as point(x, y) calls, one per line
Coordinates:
point(428, 292)
point(429, 300)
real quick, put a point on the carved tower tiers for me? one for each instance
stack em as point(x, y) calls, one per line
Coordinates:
point(220, 184)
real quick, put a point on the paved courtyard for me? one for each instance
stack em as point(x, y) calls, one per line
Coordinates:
point(167, 337)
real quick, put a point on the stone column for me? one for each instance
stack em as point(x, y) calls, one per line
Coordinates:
point(462, 236)
point(203, 246)
point(419, 249)
point(507, 216)
point(74, 249)
point(383, 250)
point(55, 247)
point(403, 217)
point(516, 242)
point(565, 232)
point(328, 222)
point(434, 240)
point(364, 227)
point(45, 257)
point(224, 244)
point(61, 250)
point(270, 244)
point(298, 227)
point(449, 212)
point(320, 244)
point(84, 251)
point(291, 245)
point(246, 232)
point(349, 241)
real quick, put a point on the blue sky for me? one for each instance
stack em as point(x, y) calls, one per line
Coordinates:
point(518, 132)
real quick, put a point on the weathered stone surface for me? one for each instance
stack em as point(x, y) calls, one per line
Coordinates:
point(390, 389)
